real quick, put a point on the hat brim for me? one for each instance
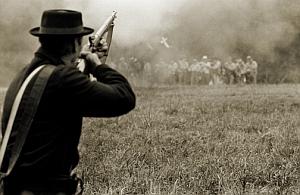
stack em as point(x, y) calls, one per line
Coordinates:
point(36, 32)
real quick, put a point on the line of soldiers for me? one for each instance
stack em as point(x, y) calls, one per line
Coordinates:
point(196, 72)
point(239, 71)
point(213, 72)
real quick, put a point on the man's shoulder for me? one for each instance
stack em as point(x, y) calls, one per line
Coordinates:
point(62, 70)
point(64, 76)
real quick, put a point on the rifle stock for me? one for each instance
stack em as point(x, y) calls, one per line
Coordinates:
point(95, 40)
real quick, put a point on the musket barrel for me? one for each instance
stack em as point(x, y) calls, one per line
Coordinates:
point(98, 36)
point(104, 27)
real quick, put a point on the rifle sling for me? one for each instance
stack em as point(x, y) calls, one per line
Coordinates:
point(108, 40)
point(26, 117)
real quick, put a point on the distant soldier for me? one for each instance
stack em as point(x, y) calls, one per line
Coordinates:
point(182, 71)
point(123, 66)
point(230, 70)
point(240, 71)
point(215, 72)
point(223, 73)
point(164, 71)
point(172, 67)
point(205, 70)
point(137, 67)
point(148, 73)
point(243, 71)
point(251, 73)
point(195, 71)
point(175, 68)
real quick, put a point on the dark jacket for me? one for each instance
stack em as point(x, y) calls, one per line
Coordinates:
point(50, 149)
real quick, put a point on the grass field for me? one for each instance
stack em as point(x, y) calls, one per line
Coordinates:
point(197, 140)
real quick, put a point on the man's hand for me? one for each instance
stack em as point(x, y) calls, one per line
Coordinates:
point(101, 49)
point(91, 61)
point(93, 56)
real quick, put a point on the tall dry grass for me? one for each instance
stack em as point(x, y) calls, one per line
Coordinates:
point(197, 140)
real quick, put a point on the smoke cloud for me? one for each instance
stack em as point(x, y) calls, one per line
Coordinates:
point(219, 27)
point(267, 30)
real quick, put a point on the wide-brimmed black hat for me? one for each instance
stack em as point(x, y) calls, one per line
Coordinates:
point(61, 22)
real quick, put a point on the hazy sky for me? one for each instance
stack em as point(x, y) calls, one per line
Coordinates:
point(136, 20)
point(213, 25)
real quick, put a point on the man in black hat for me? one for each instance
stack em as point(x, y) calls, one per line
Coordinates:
point(50, 153)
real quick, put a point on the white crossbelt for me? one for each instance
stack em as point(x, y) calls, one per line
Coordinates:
point(14, 111)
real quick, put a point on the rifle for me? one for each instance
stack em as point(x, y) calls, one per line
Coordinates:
point(96, 40)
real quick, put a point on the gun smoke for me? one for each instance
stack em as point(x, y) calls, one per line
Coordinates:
point(267, 30)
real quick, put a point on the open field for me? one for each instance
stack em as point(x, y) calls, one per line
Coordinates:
point(197, 140)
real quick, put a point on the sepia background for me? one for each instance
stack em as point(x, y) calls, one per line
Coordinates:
point(181, 138)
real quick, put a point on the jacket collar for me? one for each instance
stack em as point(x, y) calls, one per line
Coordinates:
point(46, 57)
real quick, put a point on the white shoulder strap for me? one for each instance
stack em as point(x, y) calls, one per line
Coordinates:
point(13, 113)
